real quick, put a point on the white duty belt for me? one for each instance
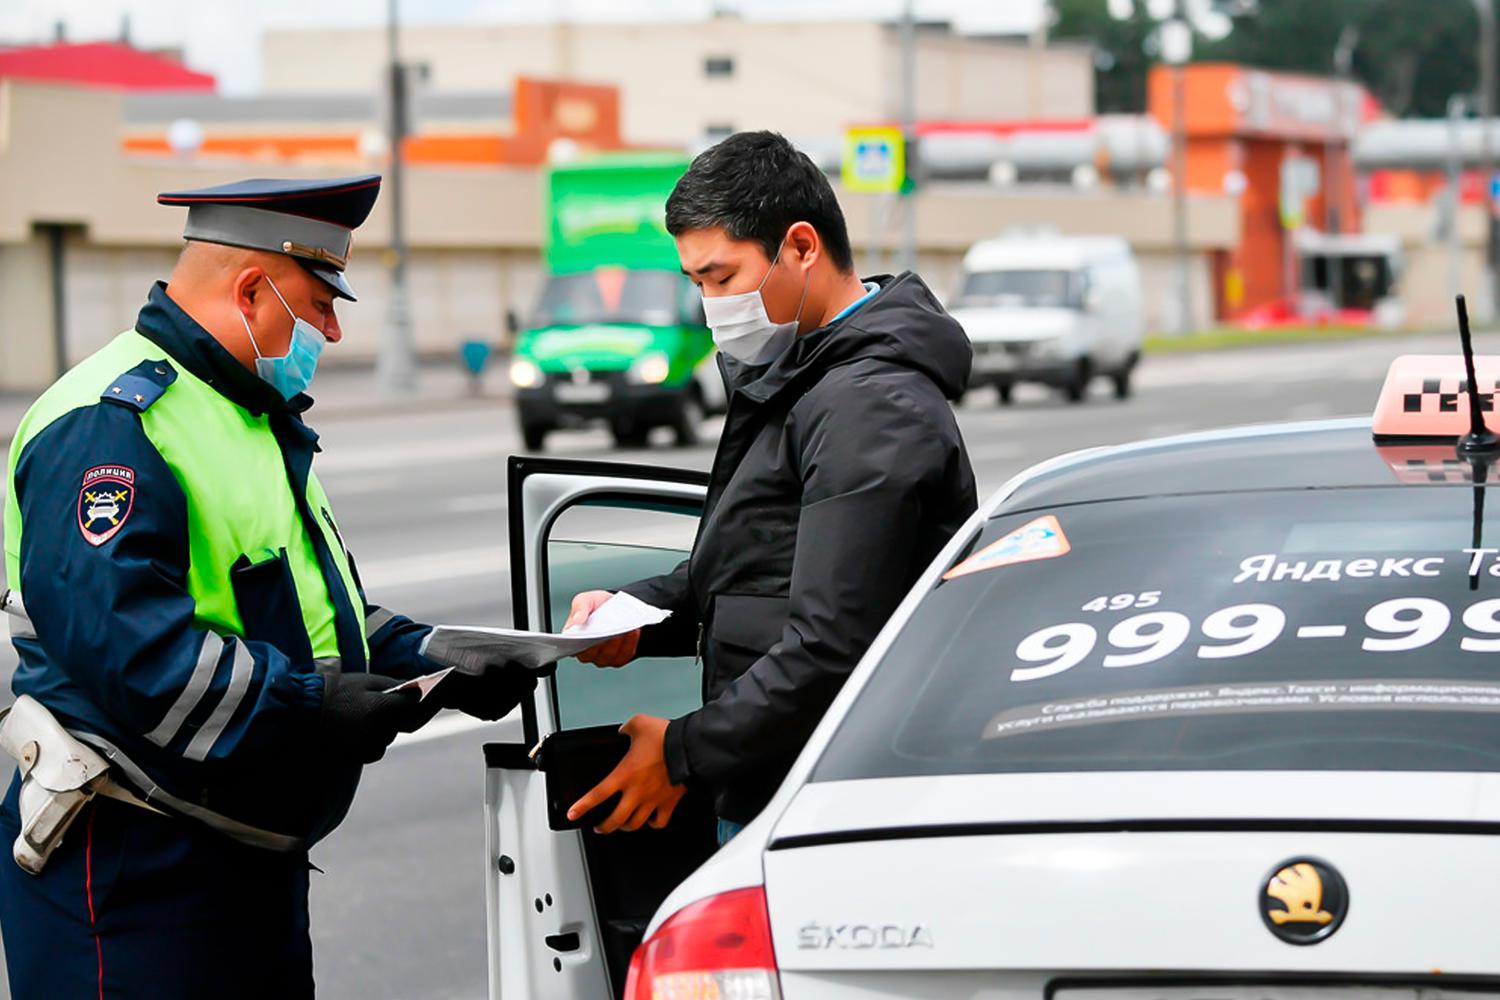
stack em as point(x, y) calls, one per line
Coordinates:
point(59, 775)
point(61, 772)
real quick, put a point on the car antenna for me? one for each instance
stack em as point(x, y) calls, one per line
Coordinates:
point(1480, 446)
point(1480, 442)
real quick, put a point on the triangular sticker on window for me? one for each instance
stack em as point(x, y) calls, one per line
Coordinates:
point(1042, 538)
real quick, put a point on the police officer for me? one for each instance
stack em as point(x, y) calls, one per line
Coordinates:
point(185, 606)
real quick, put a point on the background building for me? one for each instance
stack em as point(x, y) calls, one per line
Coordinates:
point(518, 126)
point(82, 238)
point(1280, 144)
point(1008, 138)
point(117, 65)
point(683, 83)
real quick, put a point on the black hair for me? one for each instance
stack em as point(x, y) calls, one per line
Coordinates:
point(755, 185)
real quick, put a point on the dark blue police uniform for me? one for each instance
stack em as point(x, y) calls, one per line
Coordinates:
point(212, 727)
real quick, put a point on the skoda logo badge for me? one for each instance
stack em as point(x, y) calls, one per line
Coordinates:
point(1303, 900)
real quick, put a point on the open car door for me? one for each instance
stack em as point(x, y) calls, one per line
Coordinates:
point(566, 908)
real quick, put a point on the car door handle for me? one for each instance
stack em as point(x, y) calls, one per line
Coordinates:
point(563, 942)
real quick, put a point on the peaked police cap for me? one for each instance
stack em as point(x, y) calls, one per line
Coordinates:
point(311, 221)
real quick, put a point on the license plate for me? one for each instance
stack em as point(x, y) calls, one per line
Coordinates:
point(587, 392)
point(1231, 991)
point(994, 361)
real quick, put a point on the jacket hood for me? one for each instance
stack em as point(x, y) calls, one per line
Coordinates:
point(902, 324)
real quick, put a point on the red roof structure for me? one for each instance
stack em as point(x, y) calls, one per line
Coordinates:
point(101, 64)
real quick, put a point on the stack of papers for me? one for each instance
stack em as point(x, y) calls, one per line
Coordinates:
point(615, 617)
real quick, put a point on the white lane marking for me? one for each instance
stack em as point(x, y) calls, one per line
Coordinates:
point(440, 728)
point(592, 444)
point(364, 484)
point(391, 457)
point(1332, 363)
point(1248, 374)
point(995, 450)
point(1309, 411)
point(479, 503)
point(1322, 631)
point(436, 567)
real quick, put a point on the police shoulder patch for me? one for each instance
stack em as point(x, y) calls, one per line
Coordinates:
point(105, 501)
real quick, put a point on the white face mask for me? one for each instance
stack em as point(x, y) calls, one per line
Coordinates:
point(742, 328)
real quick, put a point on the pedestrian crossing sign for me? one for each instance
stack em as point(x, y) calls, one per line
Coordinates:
point(874, 160)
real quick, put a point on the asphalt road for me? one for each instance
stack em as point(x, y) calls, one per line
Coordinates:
point(399, 910)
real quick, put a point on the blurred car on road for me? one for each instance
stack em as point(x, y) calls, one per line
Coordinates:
point(1059, 310)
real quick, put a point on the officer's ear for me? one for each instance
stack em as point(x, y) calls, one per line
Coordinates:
point(246, 285)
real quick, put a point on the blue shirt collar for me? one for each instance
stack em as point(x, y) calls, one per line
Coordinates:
point(870, 289)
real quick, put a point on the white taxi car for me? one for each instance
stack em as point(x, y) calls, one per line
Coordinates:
point(1215, 716)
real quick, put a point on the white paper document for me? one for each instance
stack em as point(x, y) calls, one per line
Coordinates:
point(616, 616)
point(424, 684)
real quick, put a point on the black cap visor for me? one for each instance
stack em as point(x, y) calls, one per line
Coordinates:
point(334, 279)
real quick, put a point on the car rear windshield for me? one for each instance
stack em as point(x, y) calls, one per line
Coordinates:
point(1347, 629)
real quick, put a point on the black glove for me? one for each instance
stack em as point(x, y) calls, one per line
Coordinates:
point(361, 715)
point(489, 695)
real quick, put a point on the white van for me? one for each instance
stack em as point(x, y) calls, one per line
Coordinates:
point(1052, 309)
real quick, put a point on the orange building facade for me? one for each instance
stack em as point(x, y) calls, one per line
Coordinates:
point(544, 111)
point(1242, 126)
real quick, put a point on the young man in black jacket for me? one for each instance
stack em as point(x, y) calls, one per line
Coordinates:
point(839, 476)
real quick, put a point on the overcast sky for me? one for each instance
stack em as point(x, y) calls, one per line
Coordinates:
point(223, 36)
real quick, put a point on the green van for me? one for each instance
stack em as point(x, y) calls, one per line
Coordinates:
point(617, 334)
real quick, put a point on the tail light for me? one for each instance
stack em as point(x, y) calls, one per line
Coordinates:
point(718, 948)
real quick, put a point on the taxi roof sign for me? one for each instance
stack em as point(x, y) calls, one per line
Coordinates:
point(1426, 396)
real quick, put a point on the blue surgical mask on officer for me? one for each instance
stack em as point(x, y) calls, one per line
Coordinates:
point(293, 371)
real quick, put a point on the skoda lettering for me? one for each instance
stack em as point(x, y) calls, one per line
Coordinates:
point(863, 937)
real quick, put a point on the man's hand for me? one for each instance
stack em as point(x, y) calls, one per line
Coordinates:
point(646, 792)
point(614, 652)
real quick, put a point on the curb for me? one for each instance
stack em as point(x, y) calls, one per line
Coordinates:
point(1236, 340)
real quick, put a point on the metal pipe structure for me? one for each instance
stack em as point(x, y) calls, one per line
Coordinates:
point(1457, 108)
point(57, 256)
point(1486, 106)
point(1179, 200)
point(1176, 45)
point(1424, 144)
point(909, 133)
point(1333, 162)
point(395, 366)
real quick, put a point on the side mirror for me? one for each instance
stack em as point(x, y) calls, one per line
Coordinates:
point(1093, 299)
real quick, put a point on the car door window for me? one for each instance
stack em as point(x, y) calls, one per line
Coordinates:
point(601, 543)
point(565, 909)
